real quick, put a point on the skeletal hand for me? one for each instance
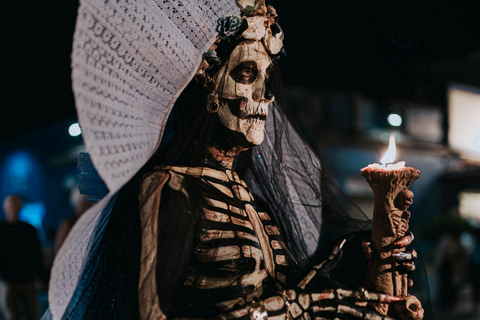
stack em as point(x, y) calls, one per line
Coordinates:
point(335, 302)
point(404, 259)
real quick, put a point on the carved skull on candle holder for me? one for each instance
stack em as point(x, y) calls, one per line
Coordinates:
point(404, 200)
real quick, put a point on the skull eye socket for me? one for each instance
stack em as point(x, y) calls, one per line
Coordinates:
point(269, 70)
point(245, 73)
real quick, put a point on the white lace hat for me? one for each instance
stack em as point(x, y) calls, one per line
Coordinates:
point(130, 62)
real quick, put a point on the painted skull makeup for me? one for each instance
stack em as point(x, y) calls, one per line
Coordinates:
point(244, 91)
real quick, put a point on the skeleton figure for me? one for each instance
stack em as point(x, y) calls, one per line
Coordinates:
point(236, 237)
point(236, 264)
point(202, 219)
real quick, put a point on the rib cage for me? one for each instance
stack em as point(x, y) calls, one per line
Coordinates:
point(239, 251)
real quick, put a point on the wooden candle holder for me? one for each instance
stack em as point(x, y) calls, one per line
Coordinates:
point(392, 199)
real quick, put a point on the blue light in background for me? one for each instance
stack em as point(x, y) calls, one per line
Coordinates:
point(20, 174)
point(19, 164)
point(33, 213)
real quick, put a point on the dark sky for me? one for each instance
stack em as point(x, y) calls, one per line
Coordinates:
point(374, 47)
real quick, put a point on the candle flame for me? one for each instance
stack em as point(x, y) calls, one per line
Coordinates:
point(389, 156)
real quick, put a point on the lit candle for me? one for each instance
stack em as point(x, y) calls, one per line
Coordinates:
point(390, 183)
point(388, 158)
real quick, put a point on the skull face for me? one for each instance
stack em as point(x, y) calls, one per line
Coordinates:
point(408, 198)
point(404, 200)
point(243, 90)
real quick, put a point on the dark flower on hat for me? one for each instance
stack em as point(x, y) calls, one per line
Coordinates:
point(228, 26)
point(212, 58)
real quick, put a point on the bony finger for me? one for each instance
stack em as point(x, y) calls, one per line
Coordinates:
point(343, 310)
point(367, 249)
point(350, 310)
point(328, 265)
point(334, 312)
point(410, 283)
point(337, 248)
point(405, 241)
point(414, 254)
point(409, 266)
point(386, 298)
point(401, 256)
point(325, 295)
point(362, 295)
point(405, 255)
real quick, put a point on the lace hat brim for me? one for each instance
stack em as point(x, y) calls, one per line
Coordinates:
point(130, 63)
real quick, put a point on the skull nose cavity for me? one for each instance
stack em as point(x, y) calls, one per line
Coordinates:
point(263, 92)
point(268, 94)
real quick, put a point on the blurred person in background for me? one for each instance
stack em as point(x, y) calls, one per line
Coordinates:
point(450, 257)
point(20, 263)
point(474, 264)
point(80, 204)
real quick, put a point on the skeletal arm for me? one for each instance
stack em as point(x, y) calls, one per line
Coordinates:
point(298, 303)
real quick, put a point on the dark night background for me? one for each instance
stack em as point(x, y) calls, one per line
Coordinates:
point(348, 65)
point(381, 48)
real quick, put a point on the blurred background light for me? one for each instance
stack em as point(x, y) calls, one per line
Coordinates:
point(19, 164)
point(33, 213)
point(74, 130)
point(19, 174)
point(464, 119)
point(469, 204)
point(394, 120)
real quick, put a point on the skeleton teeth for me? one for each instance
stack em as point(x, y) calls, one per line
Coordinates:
point(255, 120)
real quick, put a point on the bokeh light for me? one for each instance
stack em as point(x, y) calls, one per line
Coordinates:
point(394, 120)
point(74, 130)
